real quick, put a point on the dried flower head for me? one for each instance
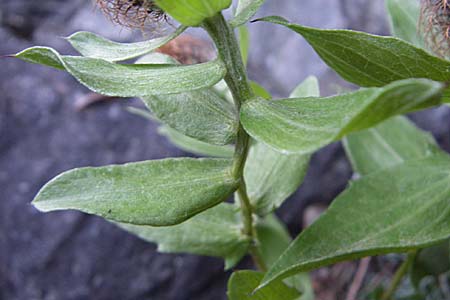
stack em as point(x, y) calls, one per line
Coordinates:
point(435, 25)
point(132, 13)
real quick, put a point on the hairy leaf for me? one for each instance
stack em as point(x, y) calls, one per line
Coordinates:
point(394, 210)
point(184, 142)
point(404, 20)
point(195, 146)
point(192, 12)
point(271, 176)
point(157, 193)
point(242, 284)
point(246, 9)
point(370, 60)
point(391, 143)
point(135, 80)
point(274, 240)
point(199, 114)
point(304, 125)
point(91, 45)
point(214, 232)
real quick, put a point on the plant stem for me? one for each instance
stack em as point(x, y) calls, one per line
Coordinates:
point(236, 78)
point(398, 276)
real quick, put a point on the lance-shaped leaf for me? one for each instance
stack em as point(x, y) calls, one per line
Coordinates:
point(404, 20)
point(390, 143)
point(272, 176)
point(304, 125)
point(184, 142)
point(192, 12)
point(200, 114)
point(246, 9)
point(397, 209)
point(91, 45)
point(157, 193)
point(274, 240)
point(137, 80)
point(215, 232)
point(242, 284)
point(370, 60)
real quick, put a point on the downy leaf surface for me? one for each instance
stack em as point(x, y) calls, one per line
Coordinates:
point(157, 193)
point(214, 232)
point(135, 80)
point(304, 125)
point(246, 9)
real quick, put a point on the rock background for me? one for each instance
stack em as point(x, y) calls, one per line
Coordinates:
point(71, 256)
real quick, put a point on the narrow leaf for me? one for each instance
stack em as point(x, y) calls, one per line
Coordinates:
point(157, 193)
point(404, 18)
point(244, 42)
point(370, 60)
point(192, 12)
point(215, 232)
point(91, 45)
point(260, 91)
point(246, 9)
point(305, 125)
point(274, 240)
point(242, 284)
point(184, 142)
point(135, 80)
point(199, 114)
point(394, 210)
point(271, 176)
point(391, 143)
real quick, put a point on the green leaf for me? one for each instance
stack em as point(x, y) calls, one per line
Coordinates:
point(94, 46)
point(157, 193)
point(199, 114)
point(394, 210)
point(432, 261)
point(370, 60)
point(274, 240)
point(260, 91)
point(271, 176)
point(305, 125)
point(242, 284)
point(244, 42)
point(184, 142)
point(404, 20)
point(391, 143)
point(246, 9)
point(135, 80)
point(192, 12)
point(195, 146)
point(215, 232)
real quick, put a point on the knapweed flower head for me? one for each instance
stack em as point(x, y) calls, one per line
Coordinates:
point(132, 13)
point(435, 26)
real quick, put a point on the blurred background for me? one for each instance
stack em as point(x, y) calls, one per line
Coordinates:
point(46, 128)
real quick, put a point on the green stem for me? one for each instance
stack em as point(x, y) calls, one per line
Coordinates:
point(398, 276)
point(236, 78)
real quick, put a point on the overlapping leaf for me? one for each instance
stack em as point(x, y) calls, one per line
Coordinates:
point(271, 176)
point(304, 125)
point(243, 283)
point(390, 143)
point(192, 12)
point(157, 193)
point(129, 80)
point(398, 209)
point(404, 20)
point(215, 232)
point(246, 9)
point(91, 45)
point(370, 60)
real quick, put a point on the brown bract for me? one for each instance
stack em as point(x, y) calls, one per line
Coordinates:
point(435, 25)
point(132, 13)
